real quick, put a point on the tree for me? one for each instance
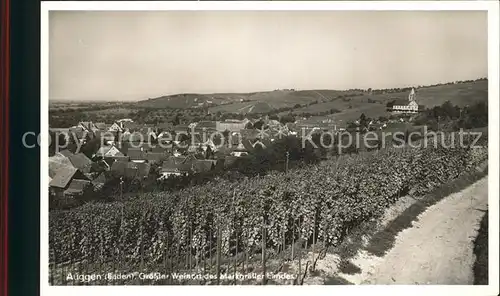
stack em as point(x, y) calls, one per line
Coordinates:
point(176, 120)
point(258, 124)
point(249, 126)
point(91, 147)
point(72, 145)
point(287, 118)
point(209, 153)
point(363, 120)
point(273, 117)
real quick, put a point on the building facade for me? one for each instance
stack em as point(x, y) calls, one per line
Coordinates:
point(407, 107)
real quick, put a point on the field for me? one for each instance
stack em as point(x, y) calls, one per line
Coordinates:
point(375, 105)
point(341, 106)
point(348, 104)
point(235, 227)
point(233, 102)
point(117, 111)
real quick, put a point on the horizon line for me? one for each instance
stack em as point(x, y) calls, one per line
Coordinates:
point(415, 86)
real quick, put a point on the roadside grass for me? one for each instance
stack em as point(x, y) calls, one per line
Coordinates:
point(384, 240)
point(481, 252)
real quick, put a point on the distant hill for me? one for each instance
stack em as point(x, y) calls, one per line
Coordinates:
point(349, 103)
point(242, 102)
point(459, 94)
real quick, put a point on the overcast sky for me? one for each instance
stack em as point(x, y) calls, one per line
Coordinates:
point(136, 55)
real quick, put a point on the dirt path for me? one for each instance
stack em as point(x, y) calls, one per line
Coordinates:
point(438, 249)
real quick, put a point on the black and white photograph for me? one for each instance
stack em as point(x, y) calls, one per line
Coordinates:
point(267, 146)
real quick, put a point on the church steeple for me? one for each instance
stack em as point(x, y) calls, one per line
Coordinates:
point(411, 96)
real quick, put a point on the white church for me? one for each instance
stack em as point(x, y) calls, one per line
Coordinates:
point(402, 106)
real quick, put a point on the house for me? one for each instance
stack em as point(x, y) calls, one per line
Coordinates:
point(115, 127)
point(77, 132)
point(243, 149)
point(88, 126)
point(231, 125)
point(140, 155)
point(142, 169)
point(153, 157)
point(107, 137)
point(77, 188)
point(203, 165)
point(273, 123)
point(108, 151)
point(131, 170)
point(57, 162)
point(119, 168)
point(409, 106)
point(206, 127)
point(136, 155)
point(81, 162)
point(175, 166)
point(109, 160)
point(150, 132)
point(165, 137)
point(101, 126)
point(249, 133)
point(137, 137)
point(194, 140)
point(172, 169)
point(68, 182)
point(194, 148)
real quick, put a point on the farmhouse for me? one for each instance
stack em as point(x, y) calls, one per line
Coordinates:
point(68, 182)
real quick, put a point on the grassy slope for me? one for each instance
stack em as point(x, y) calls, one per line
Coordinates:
point(481, 252)
point(459, 94)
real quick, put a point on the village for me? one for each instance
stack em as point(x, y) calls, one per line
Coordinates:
point(128, 150)
point(285, 147)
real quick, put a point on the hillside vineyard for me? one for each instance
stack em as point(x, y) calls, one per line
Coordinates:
point(231, 222)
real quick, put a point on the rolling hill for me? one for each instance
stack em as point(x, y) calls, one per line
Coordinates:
point(243, 102)
point(349, 103)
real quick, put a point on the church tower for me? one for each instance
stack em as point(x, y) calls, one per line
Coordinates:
point(411, 96)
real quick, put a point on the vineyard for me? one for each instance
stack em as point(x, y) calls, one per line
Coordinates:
point(225, 227)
